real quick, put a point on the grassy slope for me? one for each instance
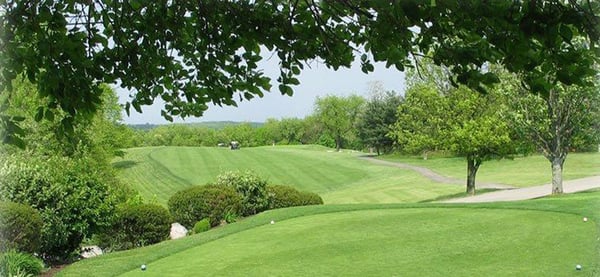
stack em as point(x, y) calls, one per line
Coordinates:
point(506, 239)
point(337, 177)
point(521, 171)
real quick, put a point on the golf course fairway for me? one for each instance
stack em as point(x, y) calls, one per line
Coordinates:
point(395, 242)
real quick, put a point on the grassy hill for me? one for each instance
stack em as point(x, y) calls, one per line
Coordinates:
point(543, 237)
point(158, 172)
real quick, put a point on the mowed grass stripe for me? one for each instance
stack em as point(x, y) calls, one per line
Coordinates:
point(162, 171)
point(148, 175)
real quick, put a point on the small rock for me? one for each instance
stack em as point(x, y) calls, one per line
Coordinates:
point(90, 251)
point(178, 231)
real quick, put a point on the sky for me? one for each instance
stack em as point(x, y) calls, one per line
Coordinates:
point(315, 81)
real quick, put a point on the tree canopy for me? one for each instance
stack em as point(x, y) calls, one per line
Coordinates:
point(338, 115)
point(190, 54)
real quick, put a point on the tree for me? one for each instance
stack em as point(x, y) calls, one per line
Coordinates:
point(553, 122)
point(374, 122)
point(292, 130)
point(338, 115)
point(469, 124)
point(478, 129)
point(190, 54)
point(421, 121)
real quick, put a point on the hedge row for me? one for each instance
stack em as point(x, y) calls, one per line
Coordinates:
point(234, 194)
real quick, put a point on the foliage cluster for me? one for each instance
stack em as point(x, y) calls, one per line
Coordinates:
point(210, 201)
point(19, 264)
point(532, 38)
point(202, 225)
point(234, 194)
point(137, 226)
point(285, 196)
point(75, 199)
point(20, 227)
point(250, 187)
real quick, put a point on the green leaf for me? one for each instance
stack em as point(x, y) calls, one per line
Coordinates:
point(295, 70)
point(566, 32)
point(39, 114)
point(135, 5)
point(287, 90)
point(49, 115)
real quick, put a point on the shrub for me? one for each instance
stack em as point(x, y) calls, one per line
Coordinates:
point(14, 263)
point(138, 225)
point(310, 198)
point(73, 197)
point(283, 196)
point(286, 196)
point(20, 227)
point(251, 188)
point(202, 226)
point(213, 202)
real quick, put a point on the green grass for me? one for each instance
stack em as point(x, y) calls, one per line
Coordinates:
point(520, 172)
point(158, 172)
point(542, 237)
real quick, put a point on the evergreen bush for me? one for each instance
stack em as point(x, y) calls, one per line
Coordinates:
point(20, 227)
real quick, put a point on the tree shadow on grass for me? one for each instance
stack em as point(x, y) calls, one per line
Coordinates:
point(124, 164)
point(457, 195)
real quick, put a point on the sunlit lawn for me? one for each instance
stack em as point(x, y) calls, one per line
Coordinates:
point(544, 237)
point(158, 172)
point(520, 171)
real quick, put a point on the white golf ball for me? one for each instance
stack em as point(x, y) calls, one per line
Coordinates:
point(578, 267)
point(272, 221)
point(585, 219)
point(143, 267)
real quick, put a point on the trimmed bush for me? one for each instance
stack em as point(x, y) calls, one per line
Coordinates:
point(286, 196)
point(20, 227)
point(140, 225)
point(212, 202)
point(14, 263)
point(202, 226)
point(283, 196)
point(310, 198)
point(251, 188)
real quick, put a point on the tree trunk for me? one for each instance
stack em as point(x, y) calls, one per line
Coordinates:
point(472, 167)
point(557, 180)
point(338, 144)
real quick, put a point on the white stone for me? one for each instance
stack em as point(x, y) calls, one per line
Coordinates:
point(90, 251)
point(178, 231)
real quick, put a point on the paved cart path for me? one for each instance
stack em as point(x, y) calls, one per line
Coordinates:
point(508, 193)
point(569, 186)
point(434, 176)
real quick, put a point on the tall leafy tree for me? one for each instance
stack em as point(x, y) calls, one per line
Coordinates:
point(338, 115)
point(478, 129)
point(422, 119)
point(374, 122)
point(557, 120)
point(469, 124)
